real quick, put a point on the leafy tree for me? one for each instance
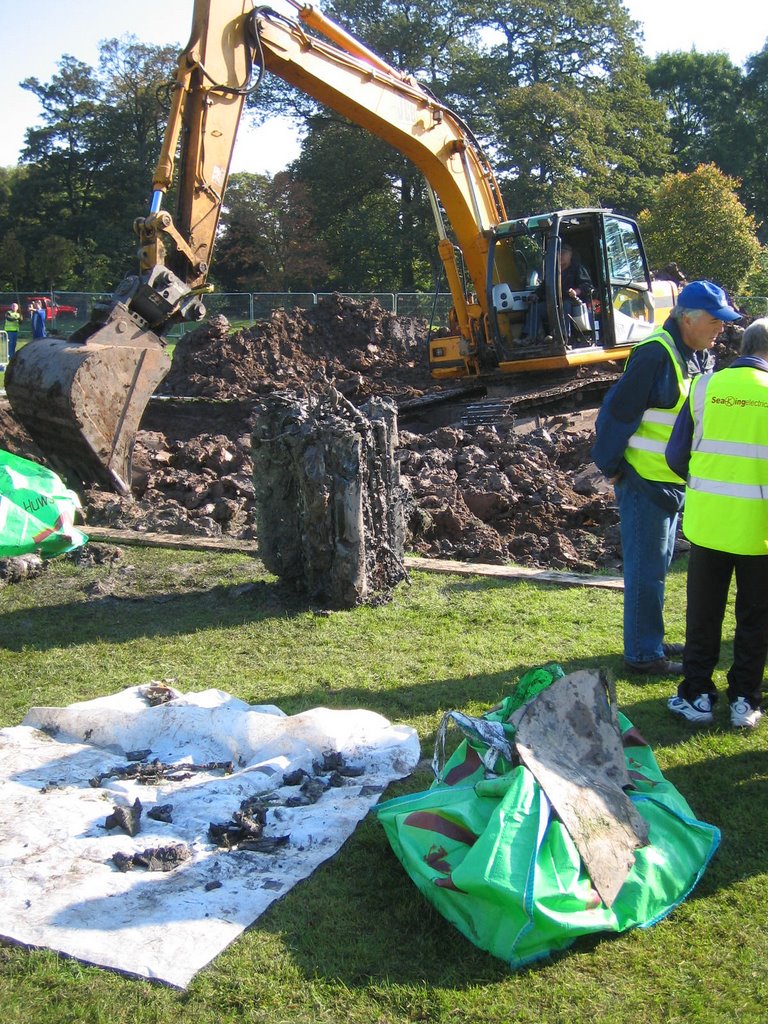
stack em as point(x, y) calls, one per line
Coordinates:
point(371, 209)
point(88, 166)
point(268, 240)
point(411, 35)
point(64, 163)
point(567, 107)
point(133, 114)
point(698, 221)
point(701, 93)
point(55, 265)
point(371, 203)
point(756, 283)
point(753, 141)
point(13, 261)
point(7, 177)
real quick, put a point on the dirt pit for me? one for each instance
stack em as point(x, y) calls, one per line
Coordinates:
point(522, 491)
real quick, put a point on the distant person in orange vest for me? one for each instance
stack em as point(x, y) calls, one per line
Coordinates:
point(13, 320)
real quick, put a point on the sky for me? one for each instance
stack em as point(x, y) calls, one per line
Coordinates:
point(33, 43)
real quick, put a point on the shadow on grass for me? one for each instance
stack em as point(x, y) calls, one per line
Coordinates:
point(118, 618)
point(473, 694)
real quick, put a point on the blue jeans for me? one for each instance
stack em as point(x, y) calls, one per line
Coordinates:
point(648, 543)
point(12, 338)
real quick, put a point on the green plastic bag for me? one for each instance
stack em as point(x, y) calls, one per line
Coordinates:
point(37, 511)
point(489, 854)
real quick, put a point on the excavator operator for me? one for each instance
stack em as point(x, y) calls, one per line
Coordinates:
point(575, 288)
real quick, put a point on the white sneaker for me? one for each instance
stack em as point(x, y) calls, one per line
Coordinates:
point(698, 711)
point(743, 715)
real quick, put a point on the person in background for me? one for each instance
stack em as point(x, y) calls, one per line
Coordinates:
point(575, 288)
point(11, 327)
point(632, 430)
point(38, 320)
point(575, 282)
point(720, 445)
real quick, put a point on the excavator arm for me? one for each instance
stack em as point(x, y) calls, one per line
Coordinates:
point(82, 398)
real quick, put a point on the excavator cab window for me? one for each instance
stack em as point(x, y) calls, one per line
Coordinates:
point(529, 256)
point(631, 293)
point(573, 261)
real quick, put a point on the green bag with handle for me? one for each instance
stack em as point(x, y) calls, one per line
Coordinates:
point(37, 511)
point(485, 848)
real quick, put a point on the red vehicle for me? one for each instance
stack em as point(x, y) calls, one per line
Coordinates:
point(52, 309)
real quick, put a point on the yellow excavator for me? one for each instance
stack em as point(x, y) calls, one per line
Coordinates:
point(82, 398)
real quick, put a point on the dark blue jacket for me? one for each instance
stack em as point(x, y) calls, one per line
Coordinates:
point(649, 381)
point(678, 453)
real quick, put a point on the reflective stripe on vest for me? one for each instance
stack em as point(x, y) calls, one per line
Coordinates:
point(726, 498)
point(646, 447)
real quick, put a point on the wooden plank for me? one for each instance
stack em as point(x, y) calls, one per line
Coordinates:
point(145, 539)
point(443, 565)
point(515, 572)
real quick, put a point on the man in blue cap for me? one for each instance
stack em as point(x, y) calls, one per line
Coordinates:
point(632, 430)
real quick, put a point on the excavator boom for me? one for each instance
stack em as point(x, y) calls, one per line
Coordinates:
point(82, 398)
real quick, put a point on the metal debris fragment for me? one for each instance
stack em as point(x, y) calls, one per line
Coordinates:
point(245, 830)
point(159, 691)
point(149, 774)
point(162, 812)
point(155, 858)
point(568, 736)
point(330, 504)
point(126, 818)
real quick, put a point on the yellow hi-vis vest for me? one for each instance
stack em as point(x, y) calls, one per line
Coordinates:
point(726, 496)
point(645, 449)
point(12, 321)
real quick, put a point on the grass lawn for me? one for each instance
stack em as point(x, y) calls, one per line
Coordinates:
point(356, 943)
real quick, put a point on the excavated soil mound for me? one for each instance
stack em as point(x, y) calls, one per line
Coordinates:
point(489, 494)
point(361, 347)
point(480, 493)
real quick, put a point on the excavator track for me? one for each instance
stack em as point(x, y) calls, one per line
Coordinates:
point(549, 396)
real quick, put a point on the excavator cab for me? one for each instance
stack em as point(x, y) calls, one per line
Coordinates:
point(539, 327)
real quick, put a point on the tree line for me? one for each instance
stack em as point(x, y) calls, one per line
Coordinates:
point(558, 93)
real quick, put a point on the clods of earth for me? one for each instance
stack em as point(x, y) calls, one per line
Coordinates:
point(523, 491)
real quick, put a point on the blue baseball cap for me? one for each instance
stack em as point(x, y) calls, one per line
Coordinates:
point(710, 298)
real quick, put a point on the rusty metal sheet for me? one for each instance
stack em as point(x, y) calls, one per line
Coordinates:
point(569, 738)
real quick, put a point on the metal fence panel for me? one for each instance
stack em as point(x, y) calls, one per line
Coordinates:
point(428, 306)
point(265, 303)
point(235, 306)
point(246, 307)
point(385, 299)
point(76, 308)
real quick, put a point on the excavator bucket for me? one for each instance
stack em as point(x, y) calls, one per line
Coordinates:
point(82, 401)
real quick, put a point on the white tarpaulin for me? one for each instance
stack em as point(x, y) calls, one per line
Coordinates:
point(59, 885)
